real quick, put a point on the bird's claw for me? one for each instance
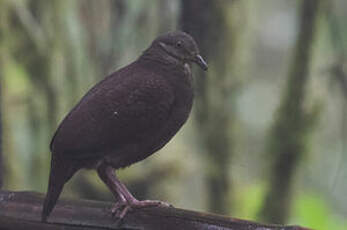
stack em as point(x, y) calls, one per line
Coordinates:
point(121, 208)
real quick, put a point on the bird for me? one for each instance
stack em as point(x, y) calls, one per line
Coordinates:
point(125, 118)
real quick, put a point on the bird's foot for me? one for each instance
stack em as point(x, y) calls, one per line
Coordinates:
point(121, 208)
point(149, 203)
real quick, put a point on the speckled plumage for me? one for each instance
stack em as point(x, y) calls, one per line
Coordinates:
point(126, 117)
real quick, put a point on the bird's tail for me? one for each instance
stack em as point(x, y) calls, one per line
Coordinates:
point(61, 172)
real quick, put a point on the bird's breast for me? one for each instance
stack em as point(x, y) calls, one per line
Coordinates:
point(179, 114)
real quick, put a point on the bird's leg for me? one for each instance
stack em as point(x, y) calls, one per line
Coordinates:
point(103, 172)
point(128, 201)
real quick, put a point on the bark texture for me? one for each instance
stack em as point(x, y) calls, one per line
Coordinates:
point(22, 211)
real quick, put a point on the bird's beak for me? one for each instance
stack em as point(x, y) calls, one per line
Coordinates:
point(201, 62)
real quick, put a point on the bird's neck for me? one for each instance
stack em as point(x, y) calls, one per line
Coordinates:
point(176, 71)
point(157, 54)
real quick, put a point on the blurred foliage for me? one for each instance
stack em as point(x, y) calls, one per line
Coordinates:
point(311, 210)
point(52, 52)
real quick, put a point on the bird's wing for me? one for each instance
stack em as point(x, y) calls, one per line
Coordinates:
point(115, 113)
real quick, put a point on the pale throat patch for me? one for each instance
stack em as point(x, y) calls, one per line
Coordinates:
point(187, 69)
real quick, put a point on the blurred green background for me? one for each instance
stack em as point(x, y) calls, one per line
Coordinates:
point(267, 138)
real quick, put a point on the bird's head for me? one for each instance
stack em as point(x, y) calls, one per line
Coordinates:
point(180, 46)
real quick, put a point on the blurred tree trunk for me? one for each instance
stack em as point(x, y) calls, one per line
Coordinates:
point(34, 22)
point(2, 29)
point(293, 123)
point(35, 29)
point(338, 73)
point(1, 148)
point(210, 23)
point(167, 15)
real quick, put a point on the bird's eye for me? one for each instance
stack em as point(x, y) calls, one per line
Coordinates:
point(178, 44)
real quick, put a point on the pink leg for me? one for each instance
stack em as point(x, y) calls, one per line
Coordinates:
point(103, 172)
point(128, 201)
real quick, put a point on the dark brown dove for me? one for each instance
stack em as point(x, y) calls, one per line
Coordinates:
point(125, 118)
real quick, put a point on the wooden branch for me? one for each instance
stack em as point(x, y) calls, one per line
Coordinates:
point(21, 210)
